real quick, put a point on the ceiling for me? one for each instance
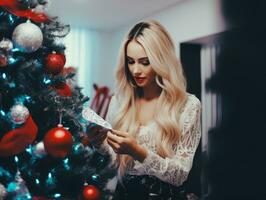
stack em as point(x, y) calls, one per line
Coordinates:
point(105, 15)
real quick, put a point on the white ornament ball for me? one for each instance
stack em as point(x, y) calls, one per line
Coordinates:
point(6, 45)
point(27, 37)
point(39, 150)
point(19, 114)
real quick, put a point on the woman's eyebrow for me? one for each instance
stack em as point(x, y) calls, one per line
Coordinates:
point(140, 59)
point(128, 57)
point(143, 58)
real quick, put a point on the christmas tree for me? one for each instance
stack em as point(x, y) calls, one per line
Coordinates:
point(44, 150)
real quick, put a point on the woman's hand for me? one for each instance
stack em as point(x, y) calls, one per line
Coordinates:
point(123, 143)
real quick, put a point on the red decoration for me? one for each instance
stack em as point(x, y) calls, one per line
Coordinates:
point(58, 142)
point(90, 192)
point(9, 3)
point(3, 61)
point(63, 89)
point(13, 7)
point(68, 70)
point(17, 140)
point(55, 63)
point(85, 140)
point(40, 198)
point(36, 17)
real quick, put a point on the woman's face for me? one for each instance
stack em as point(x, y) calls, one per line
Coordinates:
point(139, 65)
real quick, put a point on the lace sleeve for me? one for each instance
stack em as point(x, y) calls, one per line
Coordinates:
point(176, 169)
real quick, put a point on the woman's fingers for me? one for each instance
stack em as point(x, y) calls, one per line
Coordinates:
point(120, 133)
point(114, 145)
point(114, 138)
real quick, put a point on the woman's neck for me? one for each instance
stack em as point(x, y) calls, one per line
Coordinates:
point(151, 92)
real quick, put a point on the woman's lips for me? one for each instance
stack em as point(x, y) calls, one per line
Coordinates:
point(139, 79)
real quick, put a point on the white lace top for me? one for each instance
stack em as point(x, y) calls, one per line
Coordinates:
point(172, 170)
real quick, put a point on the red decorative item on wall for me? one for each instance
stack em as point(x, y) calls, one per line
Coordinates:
point(17, 140)
point(55, 63)
point(58, 142)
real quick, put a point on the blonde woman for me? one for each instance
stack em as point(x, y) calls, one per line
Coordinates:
point(156, 123)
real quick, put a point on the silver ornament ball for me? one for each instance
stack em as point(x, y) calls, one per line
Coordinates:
point(19, 114)
point(27, 37)
point(6, 45)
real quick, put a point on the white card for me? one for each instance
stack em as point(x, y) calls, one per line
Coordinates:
point(93, 117)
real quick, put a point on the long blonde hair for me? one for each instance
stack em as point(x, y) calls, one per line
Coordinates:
point(160, 50)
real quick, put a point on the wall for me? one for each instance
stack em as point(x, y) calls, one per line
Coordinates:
point(185, 21)
point(88, 51)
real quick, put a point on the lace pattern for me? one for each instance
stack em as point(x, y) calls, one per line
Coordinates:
point(172, 170)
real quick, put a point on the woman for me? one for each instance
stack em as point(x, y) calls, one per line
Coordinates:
point(156, 124)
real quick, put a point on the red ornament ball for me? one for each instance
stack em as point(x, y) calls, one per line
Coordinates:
point(3, 61)
point(55, 63)
point(58, 142)
point(90, 192)
point(63, 89)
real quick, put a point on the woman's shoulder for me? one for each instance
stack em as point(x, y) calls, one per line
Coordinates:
point(190, 112)
point(192, 98)
point(192, 102)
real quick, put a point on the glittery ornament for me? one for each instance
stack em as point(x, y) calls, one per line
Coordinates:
point(6, 45)
point(55, 63)
point(3, 192)
point(21, 191)
point(27, 37)
point(19, 113)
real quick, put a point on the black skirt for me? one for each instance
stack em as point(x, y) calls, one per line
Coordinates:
point(147, 188)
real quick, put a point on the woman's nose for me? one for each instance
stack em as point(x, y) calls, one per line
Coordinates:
point(136, 69)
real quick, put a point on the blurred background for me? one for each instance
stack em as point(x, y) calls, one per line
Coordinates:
point(221, 44)
point(98, 28)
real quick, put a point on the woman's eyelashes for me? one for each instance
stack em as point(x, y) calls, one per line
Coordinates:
point(130, 61)
point(144, 62)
